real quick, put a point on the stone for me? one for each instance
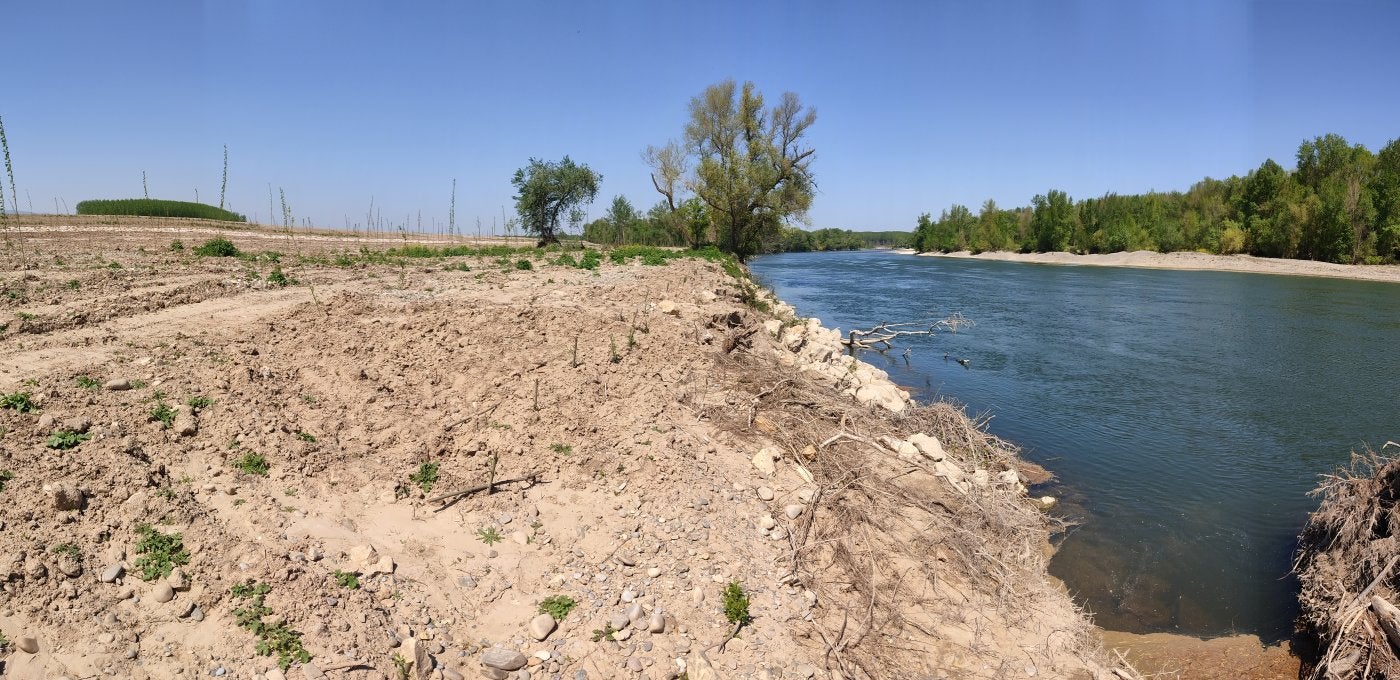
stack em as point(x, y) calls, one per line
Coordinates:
point(1046, 502)
point(28, 645)
point(635, 665)
point(385, 565)
point(312, 672)
point(163, 592)
point(466, 581)
point(178, 580)
point(980, 478)
point(767, 522)
point(117, 384)
point(654, 572)
point(765, 493)
point(619, 621)
point(668, 307)
point(46, 422)
point(541, 626)
point(657, 623)
point(884, 395)
point(635, 612)
point(928, 446)
point(697, 667)
point(66, 496)
point(362, 554)
point(503, 659)
point(494, 673)
point(185, 425)
point(70, 566)
point(793, 511)
point(275, 674)
point(79, 425)
point(764, 461)
point(448, 674)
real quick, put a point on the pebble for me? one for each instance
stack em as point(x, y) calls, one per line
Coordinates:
point(767, 522)
point(634, 664)
point(654, 572)
point(765, 493)
point(466, 581)
point(178, 580)
point(117, 384)
point(541, 626)
point(635, 613)
point(503, 659)
point(28, 645)
point(163, 592)
point(619, 621)
point(581, 674)
point(793, 511)
point(628, 596)
point(449, 674)
point(112, 573)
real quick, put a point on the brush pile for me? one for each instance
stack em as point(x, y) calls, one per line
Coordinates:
point(1347, 567)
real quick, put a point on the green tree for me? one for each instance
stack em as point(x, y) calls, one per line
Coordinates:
point(622, 216)
point(545, 191)
point(1053, 221)
point(753, 170)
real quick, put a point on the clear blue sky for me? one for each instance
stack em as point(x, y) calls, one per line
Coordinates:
point(920, 104)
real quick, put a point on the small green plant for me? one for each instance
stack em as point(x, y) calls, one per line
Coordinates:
point(253, 463)
point(347, 579)
point(277, 278)
point(65, 439)
point(138, 384)
point(524, 265)
point(736, 605)
point(159, 553)
point(18, 401)
point(612, 350)
point(217, 247)
point(558, 606)
point(290, 491)
point(87, 383)
point(4, 642)
point(425, 477)
point(73, 284)
point(198, 402)
point(631, 339)
point(306, 436)
point(489, 535)
point(67, 549)
point(5, 476)
point(279, 638)
point(401, 667)
point(605, 634)
point(114, 265)
point(177, 246)
point(163, 413)
point(561, 449)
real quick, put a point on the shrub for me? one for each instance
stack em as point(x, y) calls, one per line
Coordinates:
point(524, 265)
point(736, 604)
point(152, 207)
point(18, 401)
point(217, 247)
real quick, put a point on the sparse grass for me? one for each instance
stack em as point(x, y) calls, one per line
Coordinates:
point(177, 246)
point(163, 413)
point(74, 284)
point(253, 463)
point(87, 382)
point(561, 449)
point(198, 402)
point(347, 579)
point(5, 476)
point(159, 553)
point(138, 384)
point(558, 606)
point(279, 279)
point(65, 439)
point(736, 605)
point(279, 639)
point(217, 247)
point(401, 667)
point(612, 351)
point(489, 535)
point(306, 436)
point(18, 401)
point(524, 265)
point(425, 477)
point(67, 549)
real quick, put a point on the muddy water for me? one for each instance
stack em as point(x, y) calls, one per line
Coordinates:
point(1187, 414)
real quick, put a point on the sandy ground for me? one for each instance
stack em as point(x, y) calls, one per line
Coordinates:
point(1197, 261)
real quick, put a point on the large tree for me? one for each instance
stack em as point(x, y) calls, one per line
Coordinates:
point(547, 190)
point(752, 169)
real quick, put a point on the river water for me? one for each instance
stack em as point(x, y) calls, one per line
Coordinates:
point(1186, 414)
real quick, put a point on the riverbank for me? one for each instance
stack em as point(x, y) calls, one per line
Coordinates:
point(202, 436)
point(1194, 261)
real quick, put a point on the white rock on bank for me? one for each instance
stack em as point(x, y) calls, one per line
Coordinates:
point(765, 461)
point(929, 446)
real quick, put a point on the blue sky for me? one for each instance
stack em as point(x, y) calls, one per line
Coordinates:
point(920, 104)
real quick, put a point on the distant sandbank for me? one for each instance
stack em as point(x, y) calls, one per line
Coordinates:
point(1197, 261)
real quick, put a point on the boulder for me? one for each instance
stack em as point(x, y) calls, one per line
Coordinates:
point(765, 461)
point(541, 626)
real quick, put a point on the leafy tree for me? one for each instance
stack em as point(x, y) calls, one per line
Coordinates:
point(752, 171)
point(545, 191)
point(1053, 221)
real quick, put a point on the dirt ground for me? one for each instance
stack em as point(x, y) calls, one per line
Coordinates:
point(212, 473)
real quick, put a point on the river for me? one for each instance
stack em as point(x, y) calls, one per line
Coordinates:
point(1186, 414)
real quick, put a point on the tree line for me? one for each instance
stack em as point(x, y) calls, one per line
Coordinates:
point(1340, 203)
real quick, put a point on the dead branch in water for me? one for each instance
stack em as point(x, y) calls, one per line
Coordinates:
point(881, 337)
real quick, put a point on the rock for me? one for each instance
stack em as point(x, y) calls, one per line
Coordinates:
point(773, 326)
point(163, 592)
point(767, 522)
point(70, 566)
point(46, 422)
point(66, 496)
point(619, 621)
point(385, 565)
point(111, 573)
point(79, 425)
point(275, 674)
point(494, 673)
point(362, 554)
point(628, 596)
point(635, 665)
point(541, 626)
point(312, 672)
point(657, 623)
point(28, 645)
point(884, 395)
point(705, 297)
point(793, 511)
point(117, 384)
point(764, 461)
point(668, 307)
point(185, 425)
point(466, 581)
point(765, 493)
point(980, 478)
point(503, 659)
point(447, 674)
point(635, 612)
point(654, 572)
point(697, 667)
point(1046, 502)
point(178, 580)
point(927, 445)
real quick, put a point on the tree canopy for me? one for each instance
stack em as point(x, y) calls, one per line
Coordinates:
point(1340, 204)
point(748, 165)
point(545, 191)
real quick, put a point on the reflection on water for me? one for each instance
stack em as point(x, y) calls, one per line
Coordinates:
point(1187, 414)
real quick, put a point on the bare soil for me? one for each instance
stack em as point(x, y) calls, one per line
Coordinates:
point(619, 411)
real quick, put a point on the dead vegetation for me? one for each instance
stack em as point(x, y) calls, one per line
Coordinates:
point(1347, 568)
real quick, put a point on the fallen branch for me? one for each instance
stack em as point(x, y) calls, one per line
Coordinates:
point(479, 487)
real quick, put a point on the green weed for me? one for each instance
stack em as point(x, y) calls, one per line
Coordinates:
point(5, 476)
point(65, 439)
point(489, 535)
point(163, 413)
point(177, 246)
point(347, 579)
point(86, 382)
point(217, 247)
point(253, 463)
point(198, 402)
point(561, 449)
point(159, 553)
point(279, 639)
point(18, 401)
point(306, 436)
point(736, 604)
point(425, 477)
point(73, 284)
point(558, 606)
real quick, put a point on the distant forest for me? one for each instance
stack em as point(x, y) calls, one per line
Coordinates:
point(1341, 203)
point(690, 225)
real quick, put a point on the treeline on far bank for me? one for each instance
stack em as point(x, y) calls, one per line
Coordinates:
point(690, 226)
point(1340, 203)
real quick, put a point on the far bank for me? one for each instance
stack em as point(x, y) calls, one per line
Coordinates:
point(1192, 261)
